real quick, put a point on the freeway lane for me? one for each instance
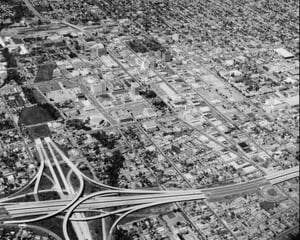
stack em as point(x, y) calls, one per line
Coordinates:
point(102, 202)
point(25, 209)
point(281, 175)
point(81, 229)
point(127, 200)
point(130, 200)
point(40, 172)
point(50, 167)
point(139, 197)
point(67, 205)
point(284, 178)
point(39, 211)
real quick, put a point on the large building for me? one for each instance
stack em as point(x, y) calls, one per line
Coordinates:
point(135, 88)
point(98, 50)
point(98, 88)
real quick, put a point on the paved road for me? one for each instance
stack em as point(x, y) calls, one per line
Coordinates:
point(32, 9)
point(27, 209)
point(81, 229)
point(95, 102)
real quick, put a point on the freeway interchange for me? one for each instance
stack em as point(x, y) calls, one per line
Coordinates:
point(75, 204)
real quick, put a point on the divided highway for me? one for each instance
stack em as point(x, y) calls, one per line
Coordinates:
point(75, 205)
point(25, 209)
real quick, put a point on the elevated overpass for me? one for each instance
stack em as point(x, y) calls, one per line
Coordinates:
point(139, 197)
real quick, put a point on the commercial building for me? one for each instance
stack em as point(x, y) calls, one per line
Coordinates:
point(150, 126)
point(98, 88)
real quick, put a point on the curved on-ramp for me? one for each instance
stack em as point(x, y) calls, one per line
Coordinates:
point(72, 205)
point(78, 195)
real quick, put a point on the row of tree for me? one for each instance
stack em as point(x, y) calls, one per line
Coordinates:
point(116, 162)
point(51, 109)
point(105, 140)
point(12, 73)
point(29, 94)
point(78, 124)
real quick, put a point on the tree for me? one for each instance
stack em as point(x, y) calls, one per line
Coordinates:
point(104, 139)
point(113, 170)
point(9, 58)
point(29, 94)
point(121, 234)
point(78, 124)
point(12, 73)
point(51, 109)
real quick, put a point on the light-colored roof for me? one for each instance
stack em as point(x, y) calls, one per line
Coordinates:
point(249, 169)
point(293, 101)
point(284, 53)
point(149, 124)
point(170, 93)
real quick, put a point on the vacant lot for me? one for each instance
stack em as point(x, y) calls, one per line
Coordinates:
point(34, 115)
point(45, 72)
point(40, 131)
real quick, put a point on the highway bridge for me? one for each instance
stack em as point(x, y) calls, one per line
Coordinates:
point(73, 204)
point(25, 209)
